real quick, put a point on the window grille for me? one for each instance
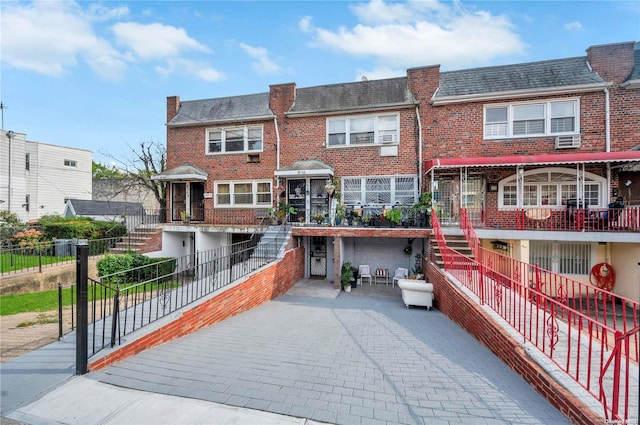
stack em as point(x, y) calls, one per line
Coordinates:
point(380, 190)
point(567, 258)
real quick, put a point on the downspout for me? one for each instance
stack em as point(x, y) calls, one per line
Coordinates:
point(275, 123)
point(607, 120)
point(607, 126)
point(419, 152)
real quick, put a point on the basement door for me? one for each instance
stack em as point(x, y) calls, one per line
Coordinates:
point(318, 254)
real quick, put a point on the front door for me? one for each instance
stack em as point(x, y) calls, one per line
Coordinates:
point(318, 254)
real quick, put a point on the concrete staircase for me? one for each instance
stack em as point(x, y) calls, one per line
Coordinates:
point(268, 246)
point(456, 242)
point(136, 240)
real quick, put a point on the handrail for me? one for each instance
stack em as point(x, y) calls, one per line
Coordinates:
point(556, 297)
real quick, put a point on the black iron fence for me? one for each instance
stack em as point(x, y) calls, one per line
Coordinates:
point(123, 302)
point(14, 259)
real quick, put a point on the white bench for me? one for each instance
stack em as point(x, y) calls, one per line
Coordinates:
point(416, 292)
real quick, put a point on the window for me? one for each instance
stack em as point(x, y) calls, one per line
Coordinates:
point(551, 187)
point(235, 139)
point(27, 160)
point(531, 119)
point(243, 193)
point(70, 163)
point(366, 130)
point(27, 201)
point(567, 258)
point(382, 190)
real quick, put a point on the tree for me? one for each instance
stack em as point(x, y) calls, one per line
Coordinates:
point(149, 160)
point(101, 171)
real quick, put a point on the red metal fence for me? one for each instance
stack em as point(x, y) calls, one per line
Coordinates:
point(589, 333)
point(590, 219)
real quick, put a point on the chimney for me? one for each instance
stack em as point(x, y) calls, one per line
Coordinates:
point(173, 104)
point(613, 62)
point(281, 97)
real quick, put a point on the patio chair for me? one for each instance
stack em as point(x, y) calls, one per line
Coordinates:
point(401, 273)
point(364, 271)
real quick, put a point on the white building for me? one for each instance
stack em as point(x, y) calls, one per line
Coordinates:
point(36, 178)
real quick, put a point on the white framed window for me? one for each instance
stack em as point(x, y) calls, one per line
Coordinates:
point(248, 193)
point(568, 258)
point(27, 161)
point(551, 187)
point(234, 139)
point(70, 163)
point(363, 130)
point(380, 190)
point(532, 119)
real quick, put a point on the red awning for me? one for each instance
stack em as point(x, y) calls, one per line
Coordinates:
point(543, 159)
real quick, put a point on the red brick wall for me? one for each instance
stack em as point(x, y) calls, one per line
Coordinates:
point(305, 138)
point(613, 62)
point(154, 243)
point(468, 315)
point(259, 288)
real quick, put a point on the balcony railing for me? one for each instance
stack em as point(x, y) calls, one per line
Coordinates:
point(551, 219)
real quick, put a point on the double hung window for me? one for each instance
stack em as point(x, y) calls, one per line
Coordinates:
point(243, 194)
point(531, 119)
point(235, 139)
point(364, 130)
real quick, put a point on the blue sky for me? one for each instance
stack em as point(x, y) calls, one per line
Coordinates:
point(95, 75)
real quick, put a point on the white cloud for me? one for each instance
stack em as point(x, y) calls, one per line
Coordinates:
point(199, 70)
point(574, 26)
point(50, 37)
point(262, 64)
point(401, 35)
point(305, 24)
point(154, 41)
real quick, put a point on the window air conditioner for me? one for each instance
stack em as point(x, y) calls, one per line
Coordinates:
point(387, 138)
point(565, 142)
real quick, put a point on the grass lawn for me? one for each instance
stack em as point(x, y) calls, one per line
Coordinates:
point(12, 262)
point(48, 300)
point(34, 301)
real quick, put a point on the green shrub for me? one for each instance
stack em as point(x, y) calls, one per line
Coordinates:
point(55, 226)
point(134, 268)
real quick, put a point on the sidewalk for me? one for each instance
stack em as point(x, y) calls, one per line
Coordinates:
point(358, 358)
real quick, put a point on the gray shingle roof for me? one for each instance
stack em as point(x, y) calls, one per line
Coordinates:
point(526, 76)
point(87, 207)
point(235, 108)
point(351, 96)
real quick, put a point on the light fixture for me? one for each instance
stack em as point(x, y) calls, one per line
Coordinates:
point(628, 183)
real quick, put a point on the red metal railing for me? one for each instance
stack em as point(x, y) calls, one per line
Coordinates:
point(591, 334)
point(557, 219)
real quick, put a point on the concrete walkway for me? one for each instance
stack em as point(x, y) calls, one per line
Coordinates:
point(310, 355)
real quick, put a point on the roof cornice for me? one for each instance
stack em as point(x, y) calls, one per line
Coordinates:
point(631, 84)
point(403, 105)
point(582, 88)
point(223, 121)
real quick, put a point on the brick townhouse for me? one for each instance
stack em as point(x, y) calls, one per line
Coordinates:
point(544, 157)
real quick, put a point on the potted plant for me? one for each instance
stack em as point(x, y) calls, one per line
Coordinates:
point(394, 216)
point(318, 218)
point(283, 210)
point(340, 213)
point(346, 275)
point(422, 209)
point(366, 219)
point(186, 217)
